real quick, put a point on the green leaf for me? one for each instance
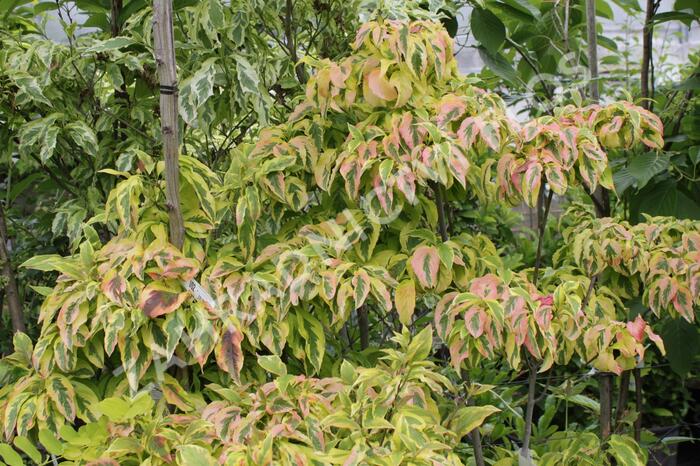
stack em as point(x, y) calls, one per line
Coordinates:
point(347, 372)
point(469, 418)
point(498, 65)
point(623, 179)
point(674, 16)
point(113, 408)
point(29, 86)
point(311, 330)
point(420, 345)
point(26, 445)
point(83, 136)
point(114, 43)
point(487, 29)
point(62, 394)
point(682, 342)
point(645, 166)
point(626, 451)
point(405, 299)
point(524, 6)
point(663, 199)
point(194, 455)
point(196, 90)
point(272, 364)
point(247, 75)
point(50, 442)
point(10, 456)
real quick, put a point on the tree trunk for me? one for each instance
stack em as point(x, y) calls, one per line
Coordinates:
point(11, 290)
point(363, 324)
point(167, 74)
point(440, 204)
point(622, 399)
point(639, 402)
point(605, 381)
point(529, 409)
point(647, 36)
point(291, 43)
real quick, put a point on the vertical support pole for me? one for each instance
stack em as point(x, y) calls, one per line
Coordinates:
point(592, 50)
point(164, 45)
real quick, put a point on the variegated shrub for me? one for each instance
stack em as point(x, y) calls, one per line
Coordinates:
point(322, 233)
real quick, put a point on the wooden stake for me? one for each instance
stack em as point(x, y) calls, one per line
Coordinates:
point(592, 50)
point(164, 45)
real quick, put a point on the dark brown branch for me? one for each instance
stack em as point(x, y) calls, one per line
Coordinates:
point(647, 36)
point(363, 324)
point(529, 408)
point(622, 399)
point(11, 289)
point(639, 402)
point(440, 203)
point(543, 206)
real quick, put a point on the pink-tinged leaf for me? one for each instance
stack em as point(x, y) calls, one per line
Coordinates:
point(459, 165)
point(486, 287)
point(113, 286)
point(329, 283)
point(450, 108)
point(338, 75)
point(475, 321)
point(656, 339)
point(444, 320)
point(183, 268)
point(158, 299)
point(406, 182)
point(518, 318)
point(361, 287)
point(425, 263)
point(229, 356)
point(531, 182)
point(469, 130)
point(530, 131)
point(594, 152)
point(379, 85)
point(408, 131)
point(490, 135)
point(381, 294)
point(503, 171)
point(103, 462)
point(351, 170)
point(556, 178)
point(683, 303)
point(459, 351)
point(606, 363)
point(637, 328)
point(384, 194)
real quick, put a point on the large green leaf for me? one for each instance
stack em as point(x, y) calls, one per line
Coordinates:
point(682, 342)
point(645, 166)
point(488, 29)
point(498, 65)
point(664, 199)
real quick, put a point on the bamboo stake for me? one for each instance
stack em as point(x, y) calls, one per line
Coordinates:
point(164, 45)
